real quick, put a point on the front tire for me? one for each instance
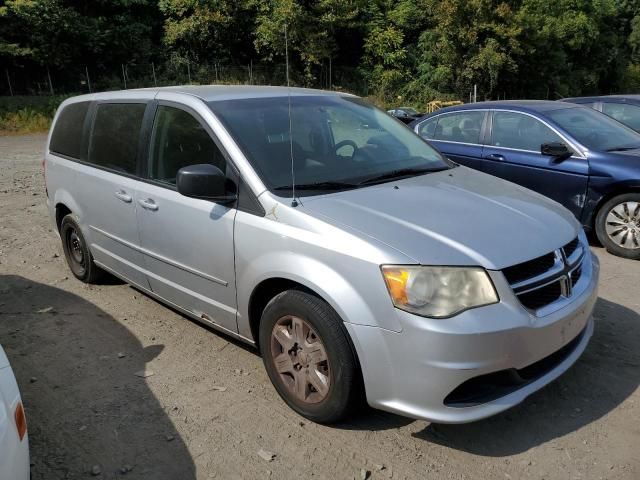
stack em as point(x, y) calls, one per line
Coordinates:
point(308, 356)
point(76, 251)
point(618, 225)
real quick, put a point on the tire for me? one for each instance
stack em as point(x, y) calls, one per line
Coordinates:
point(294, 315)
point(616, 215)
point(77, 253)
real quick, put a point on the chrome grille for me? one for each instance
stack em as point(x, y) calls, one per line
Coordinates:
point(541, 282)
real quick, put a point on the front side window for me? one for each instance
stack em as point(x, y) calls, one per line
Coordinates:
point(521, 132)
point(115, 136)
point(180, 140)
point(66, 138)
point(624, 113)
point(329, 139)
point(595, 130)
point(461, 127)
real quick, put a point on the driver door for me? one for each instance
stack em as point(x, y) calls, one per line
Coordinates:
point(187, 242)
point(513, 153)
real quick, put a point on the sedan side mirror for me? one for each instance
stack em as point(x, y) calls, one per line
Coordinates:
point(558, 150)
point(206, 182)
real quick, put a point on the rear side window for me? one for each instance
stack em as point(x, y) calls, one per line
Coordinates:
point(624, 113)
point(428, 129)
point(459, 127)
point(66, 138)
point(115, 136)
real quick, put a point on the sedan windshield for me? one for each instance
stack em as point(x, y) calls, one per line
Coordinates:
point(595, 130)
point(336, 142)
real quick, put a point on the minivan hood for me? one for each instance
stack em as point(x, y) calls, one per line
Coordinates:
point(454, 217)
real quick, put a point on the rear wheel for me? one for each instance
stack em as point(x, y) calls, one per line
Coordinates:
point(618, 225)
point(76, 251)
point(308, 356)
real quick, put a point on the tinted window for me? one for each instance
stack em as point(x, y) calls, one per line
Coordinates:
point(179, 140)
point(116, 132)
point(459, 127)
point(516, 130)
point(66, 138)
point(595, 130)
point(627, 114)
point(328, 138)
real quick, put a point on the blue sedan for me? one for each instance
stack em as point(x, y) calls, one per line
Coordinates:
point(573, 154)
point(624, 108)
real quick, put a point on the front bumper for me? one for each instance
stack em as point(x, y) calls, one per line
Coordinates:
point(412, 372)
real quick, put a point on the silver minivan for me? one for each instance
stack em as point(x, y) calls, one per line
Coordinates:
point(360, 261)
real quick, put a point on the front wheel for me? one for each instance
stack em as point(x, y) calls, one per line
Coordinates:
point(618, 225)
point(308, 356)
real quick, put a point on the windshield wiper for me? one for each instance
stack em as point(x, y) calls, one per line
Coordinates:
point(402, 172)
point(319, 186)
point(622, 149)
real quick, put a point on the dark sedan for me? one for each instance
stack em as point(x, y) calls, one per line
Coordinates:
point(405, 114)
point(573, 154)
point(624, 108)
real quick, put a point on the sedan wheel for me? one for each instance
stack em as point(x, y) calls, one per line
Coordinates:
point(623, 224)
point(618, 225)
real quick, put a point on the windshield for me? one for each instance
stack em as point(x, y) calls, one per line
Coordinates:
point(595, 130)
point(336, 142)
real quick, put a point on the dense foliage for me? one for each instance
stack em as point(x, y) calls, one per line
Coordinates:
point(417, 49)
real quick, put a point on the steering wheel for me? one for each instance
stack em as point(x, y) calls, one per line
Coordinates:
point(345, 143)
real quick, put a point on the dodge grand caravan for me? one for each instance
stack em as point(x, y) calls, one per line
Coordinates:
point(361, 262)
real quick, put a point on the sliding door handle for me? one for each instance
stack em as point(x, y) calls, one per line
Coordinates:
point(124, 196)
point(495, 156)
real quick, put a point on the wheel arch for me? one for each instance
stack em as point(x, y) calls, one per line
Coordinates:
point(618, 189)
point(61, 211)
point(263, 293)
point(64, 204)
point(268, 289)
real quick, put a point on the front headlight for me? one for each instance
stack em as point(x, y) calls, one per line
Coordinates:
point(438, 292)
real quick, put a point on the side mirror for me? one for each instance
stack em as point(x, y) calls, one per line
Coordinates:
point(559, 151)
point(206, 182)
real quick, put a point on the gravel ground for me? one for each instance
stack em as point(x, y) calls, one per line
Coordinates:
point(208, 409)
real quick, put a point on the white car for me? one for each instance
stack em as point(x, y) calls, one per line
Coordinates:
point(14, 441)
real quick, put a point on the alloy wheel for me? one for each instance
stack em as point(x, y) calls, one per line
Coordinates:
point(623, 225)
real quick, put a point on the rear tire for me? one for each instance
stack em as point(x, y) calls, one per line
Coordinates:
point(308, 356)
point(618, 225)
point(77, 253)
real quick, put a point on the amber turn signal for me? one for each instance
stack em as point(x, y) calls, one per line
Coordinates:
point(21, 421)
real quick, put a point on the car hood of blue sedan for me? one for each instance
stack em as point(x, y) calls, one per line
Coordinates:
point(453, 217)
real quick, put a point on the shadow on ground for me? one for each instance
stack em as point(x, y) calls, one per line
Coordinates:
point(84, 403)
point(607, 373)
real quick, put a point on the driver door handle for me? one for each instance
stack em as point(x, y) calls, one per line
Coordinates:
point(495, 156)
point(148, 204)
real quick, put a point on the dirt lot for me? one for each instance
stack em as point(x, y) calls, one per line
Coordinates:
point(76, 348)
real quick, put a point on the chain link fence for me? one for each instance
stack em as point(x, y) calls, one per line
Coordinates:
point(79, 79)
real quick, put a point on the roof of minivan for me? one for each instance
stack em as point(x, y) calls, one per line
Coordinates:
point(210, 93)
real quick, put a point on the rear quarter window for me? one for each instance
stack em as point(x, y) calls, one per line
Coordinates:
point(115, 136)
point(66, 138)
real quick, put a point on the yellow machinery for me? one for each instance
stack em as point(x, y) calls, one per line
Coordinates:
point(438, 104)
